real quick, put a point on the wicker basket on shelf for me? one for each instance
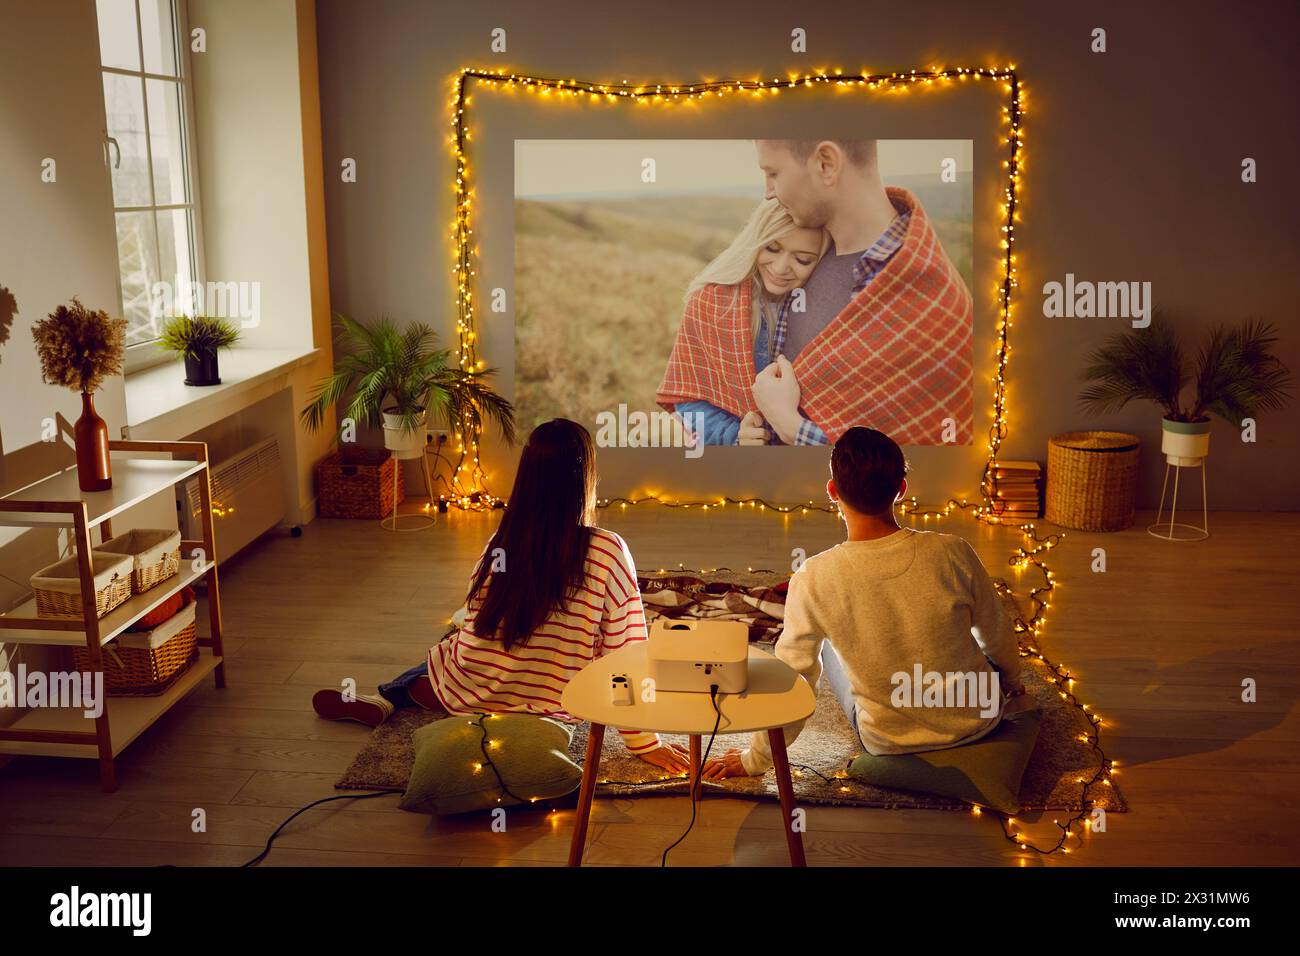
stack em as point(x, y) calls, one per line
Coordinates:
point(57, 588)
point(1092, 480)
point(155, 554)
point(145, 663)
point(358, 483)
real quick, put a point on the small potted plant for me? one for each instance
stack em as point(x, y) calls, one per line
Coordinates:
point(198, 339)
point(1236, 376)
point(79, 348)
point(397, 376)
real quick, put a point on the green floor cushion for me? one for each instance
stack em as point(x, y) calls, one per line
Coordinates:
point(987, 772)
point(451, 774)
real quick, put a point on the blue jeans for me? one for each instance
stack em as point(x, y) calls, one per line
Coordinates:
point(838, 678)
point(397, 691)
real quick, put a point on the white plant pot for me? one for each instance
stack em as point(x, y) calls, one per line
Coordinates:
point(404, 443)
point(1185, 444)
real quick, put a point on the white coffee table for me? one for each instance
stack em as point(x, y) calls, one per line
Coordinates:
point(776, 696)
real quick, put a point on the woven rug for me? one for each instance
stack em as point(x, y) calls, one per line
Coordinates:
point(823, 750)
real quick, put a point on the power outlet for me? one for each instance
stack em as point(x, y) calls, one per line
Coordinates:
point(437, 436)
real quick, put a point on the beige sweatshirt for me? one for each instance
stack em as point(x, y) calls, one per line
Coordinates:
point(915, 620)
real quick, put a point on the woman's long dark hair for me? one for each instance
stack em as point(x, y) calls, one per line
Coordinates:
point(544, 535)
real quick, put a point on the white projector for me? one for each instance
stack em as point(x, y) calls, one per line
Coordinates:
point(695, 655)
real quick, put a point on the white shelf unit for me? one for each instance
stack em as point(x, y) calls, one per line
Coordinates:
point(57, 501)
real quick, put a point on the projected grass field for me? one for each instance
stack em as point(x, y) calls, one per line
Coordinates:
point(599, 284)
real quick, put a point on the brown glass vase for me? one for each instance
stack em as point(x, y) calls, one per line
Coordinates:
point(91, 431)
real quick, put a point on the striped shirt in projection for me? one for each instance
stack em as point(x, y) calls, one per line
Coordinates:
point(475, 675)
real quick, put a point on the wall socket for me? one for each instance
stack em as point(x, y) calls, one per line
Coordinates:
point(437, 436)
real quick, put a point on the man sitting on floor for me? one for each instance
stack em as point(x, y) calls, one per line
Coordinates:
point(905, 624)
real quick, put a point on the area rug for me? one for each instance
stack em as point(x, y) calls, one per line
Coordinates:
point(818, 757)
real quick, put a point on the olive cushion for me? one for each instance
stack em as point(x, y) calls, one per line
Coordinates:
point(987, 772)
point(452, 774)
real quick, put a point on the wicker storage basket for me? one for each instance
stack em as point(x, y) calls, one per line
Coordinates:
point(144, 663)
point(358, 483)
point(155, 555)
point(1092, 480)
point(57, 588)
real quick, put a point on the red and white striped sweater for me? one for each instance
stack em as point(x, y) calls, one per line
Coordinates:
point(475, 675)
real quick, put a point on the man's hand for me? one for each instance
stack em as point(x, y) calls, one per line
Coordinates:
point(728, 765)
point(1012, 687)
point(752, 430)
point(776, 393)
point(1018, 703)
point(671, 757)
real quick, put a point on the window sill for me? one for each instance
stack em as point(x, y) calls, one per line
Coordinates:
point(160, 404)
point(141, 358)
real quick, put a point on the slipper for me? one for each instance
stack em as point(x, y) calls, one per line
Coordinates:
point(422, 692)
point(364, 709)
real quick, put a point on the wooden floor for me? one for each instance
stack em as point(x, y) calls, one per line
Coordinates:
point(1160, 642)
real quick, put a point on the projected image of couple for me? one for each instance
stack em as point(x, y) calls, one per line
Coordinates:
point(835, 303)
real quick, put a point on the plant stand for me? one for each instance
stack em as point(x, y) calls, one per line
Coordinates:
point(1189, 532)
point(422, 520)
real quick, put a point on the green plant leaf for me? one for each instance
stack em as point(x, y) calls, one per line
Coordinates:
point(1137, 364)
point(197, 335)
point(382, 366)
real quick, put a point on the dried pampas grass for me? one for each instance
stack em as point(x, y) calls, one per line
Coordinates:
point(79, 347)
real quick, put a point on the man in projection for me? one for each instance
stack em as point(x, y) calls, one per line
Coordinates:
point(879, 335)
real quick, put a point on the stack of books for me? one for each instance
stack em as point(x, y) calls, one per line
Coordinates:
point(1015, 489)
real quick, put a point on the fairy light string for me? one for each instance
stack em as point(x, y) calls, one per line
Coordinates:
point(467, 483)
point(468, 486)
point(1028, 630)
point(487, 745)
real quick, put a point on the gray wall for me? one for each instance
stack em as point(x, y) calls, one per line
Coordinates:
point(1132, 173)
point(56, 241)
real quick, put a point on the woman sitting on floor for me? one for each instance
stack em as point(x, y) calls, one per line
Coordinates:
point(550, 594)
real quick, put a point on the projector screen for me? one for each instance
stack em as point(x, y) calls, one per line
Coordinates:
point(690, 293)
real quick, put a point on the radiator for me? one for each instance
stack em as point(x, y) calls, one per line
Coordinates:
point(247, 498)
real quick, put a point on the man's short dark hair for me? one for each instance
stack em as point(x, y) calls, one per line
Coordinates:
point(868, 468)
point(860, 152)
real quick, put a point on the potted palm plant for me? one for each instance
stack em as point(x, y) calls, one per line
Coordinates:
point(1235, 375)
point(397, 377)
point(198, 339)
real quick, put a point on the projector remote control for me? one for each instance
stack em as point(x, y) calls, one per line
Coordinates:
point(620, 689)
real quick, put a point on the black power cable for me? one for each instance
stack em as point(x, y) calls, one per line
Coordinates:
point(346, 796)
point(483, 746)
point(695, 784)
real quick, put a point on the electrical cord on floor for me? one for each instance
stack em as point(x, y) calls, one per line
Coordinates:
point(695, 784)
point(346, 796)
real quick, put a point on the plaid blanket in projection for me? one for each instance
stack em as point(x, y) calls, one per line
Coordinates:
point(760, 608)
point(897, 358)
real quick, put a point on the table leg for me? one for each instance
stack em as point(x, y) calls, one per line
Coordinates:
point(695, 766)
point(793, 837)
point(590, 770)
point(107, 775)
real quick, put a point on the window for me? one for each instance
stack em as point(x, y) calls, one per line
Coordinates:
point(147, 104)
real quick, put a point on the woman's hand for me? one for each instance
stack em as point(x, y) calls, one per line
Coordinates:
point(728, 765)
point(752, 430)
point(776, 393)
point(671, 757)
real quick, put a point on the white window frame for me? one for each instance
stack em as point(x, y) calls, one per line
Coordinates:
point(146, 354)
